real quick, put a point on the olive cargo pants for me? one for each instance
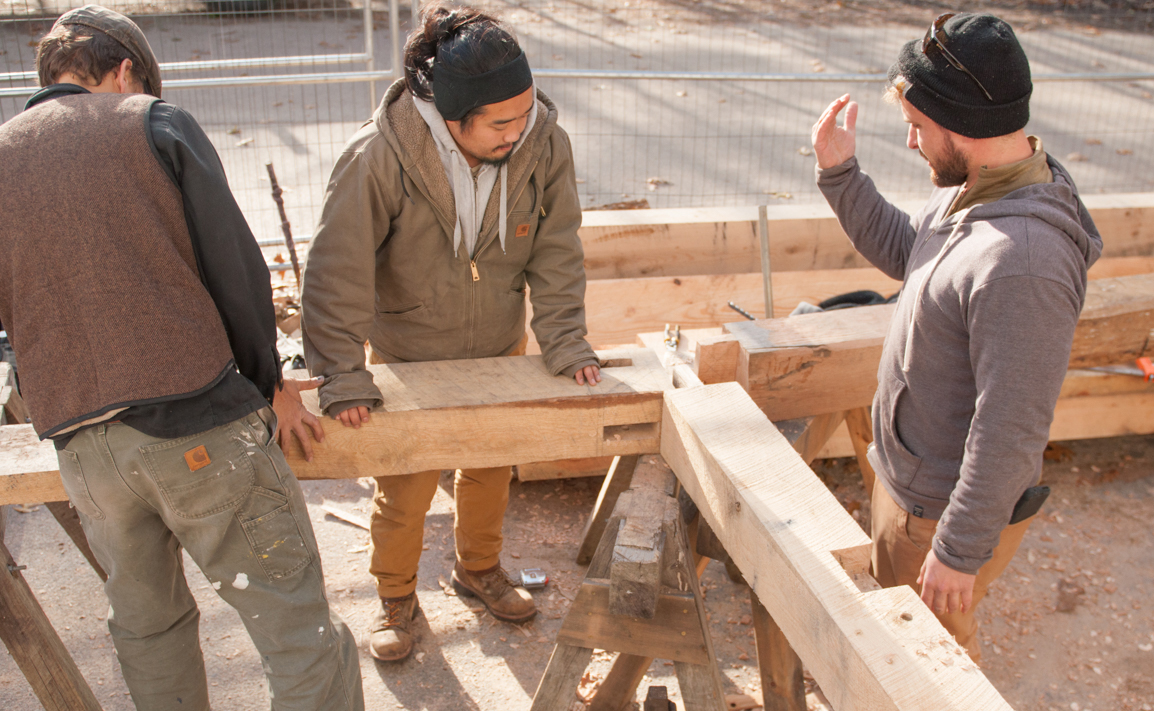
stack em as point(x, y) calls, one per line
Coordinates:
point(229, 499)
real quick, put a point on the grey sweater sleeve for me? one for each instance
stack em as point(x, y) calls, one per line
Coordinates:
point(1021, 329)
point(881, 232)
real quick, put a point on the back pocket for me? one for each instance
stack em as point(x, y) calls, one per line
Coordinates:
point(203, 474)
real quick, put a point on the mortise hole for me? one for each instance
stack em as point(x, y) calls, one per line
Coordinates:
point(621, 433)
point(617, 363)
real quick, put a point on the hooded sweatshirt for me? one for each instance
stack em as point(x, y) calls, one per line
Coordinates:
point(471, 186)
point(977, 349)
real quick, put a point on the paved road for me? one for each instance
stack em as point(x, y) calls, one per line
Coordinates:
point(714, 143)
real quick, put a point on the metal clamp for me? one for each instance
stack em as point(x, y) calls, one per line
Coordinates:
point(672, 337)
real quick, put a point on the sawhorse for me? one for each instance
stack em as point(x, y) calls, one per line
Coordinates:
point(640, 598)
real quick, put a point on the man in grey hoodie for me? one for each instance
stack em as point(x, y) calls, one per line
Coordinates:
point(458, 195)
point(994, 270)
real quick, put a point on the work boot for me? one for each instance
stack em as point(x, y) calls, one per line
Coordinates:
point(501, 597)
point(391, 639)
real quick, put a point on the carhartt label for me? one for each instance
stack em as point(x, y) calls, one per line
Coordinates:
point(197, 458)
point(522, 230)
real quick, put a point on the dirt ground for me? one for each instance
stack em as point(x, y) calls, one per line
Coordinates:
point(1069, 625)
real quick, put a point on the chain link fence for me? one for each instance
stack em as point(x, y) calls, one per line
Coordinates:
point(682, 104)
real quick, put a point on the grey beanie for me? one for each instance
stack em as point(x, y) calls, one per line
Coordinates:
point(987, 47)
point(121, 29)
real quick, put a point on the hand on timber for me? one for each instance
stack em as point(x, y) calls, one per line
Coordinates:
point(833, 144)
point(354, 417)
point(943, 588)
point(291, 415)
point(590, 373)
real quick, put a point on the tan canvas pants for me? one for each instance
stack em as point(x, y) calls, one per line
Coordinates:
point(398, 521)
point(900, 545)
point(229, 499)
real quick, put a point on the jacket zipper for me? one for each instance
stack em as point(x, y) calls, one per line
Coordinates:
point(473, 261)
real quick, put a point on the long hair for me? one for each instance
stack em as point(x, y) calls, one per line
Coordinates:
point(462, 38)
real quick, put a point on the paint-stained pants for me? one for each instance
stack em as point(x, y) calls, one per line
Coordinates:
point(401, 502)
point(900, 545)
point(228, 498)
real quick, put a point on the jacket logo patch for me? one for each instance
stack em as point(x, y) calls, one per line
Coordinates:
point(197, 458)
point(522, 230)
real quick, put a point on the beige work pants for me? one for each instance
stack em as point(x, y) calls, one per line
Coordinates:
point(900, 545)
point(229, 499)
point(398, 521)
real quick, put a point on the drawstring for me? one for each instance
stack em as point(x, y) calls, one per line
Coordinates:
point(950, 242)
point(503, 215)
point(405, 190)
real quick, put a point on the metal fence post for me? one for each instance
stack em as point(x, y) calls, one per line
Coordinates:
point(395, 38)
point(369, 63)
point(766, 272)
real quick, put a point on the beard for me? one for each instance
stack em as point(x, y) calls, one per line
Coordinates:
point(950, 170)
point(497, 160)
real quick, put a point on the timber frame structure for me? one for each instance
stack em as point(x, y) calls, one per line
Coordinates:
point(804, 557)
point(737, 428)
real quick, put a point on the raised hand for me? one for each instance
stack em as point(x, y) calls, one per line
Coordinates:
point(833, 144)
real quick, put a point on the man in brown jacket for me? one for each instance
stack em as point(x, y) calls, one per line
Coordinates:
point(458, 195)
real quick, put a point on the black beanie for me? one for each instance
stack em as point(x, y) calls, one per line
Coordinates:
point(987, 47)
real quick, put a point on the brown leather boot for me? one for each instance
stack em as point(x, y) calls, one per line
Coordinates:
point(504, 600)
point(391, 639)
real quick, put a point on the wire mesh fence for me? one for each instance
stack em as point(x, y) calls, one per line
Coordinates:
point(738, 136)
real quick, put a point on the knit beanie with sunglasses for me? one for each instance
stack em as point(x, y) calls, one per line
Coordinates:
point(987, 47)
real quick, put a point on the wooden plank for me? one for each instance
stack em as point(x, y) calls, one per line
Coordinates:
point(13, 411)
point(814, 363)
point(1091, 417)
point(37, 649)
point(487, 405)
point(675, 242)
point(826, 362)
point(616, 310)
point(874, 650)
point(589, 623)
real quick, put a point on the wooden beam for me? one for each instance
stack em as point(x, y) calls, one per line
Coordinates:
point(13, 411)
point(617, 310)
point(827, 362)
point(1093, 405)
point(464, 413)
point(800, 552)
point(34, 644)
point(624, 244)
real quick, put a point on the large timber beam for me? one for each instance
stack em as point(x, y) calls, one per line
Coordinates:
point(466, 413)
point(808, 560)
point(1092, 404)
point(617, 310)
point(827, 362)
point(723, 240)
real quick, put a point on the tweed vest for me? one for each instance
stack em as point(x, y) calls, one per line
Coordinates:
point(99, 286)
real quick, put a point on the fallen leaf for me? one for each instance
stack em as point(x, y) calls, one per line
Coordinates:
point(1076, 157)
point(244, 142)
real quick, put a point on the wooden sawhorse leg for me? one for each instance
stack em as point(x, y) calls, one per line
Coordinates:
point(619, 479)
point(34, 644)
